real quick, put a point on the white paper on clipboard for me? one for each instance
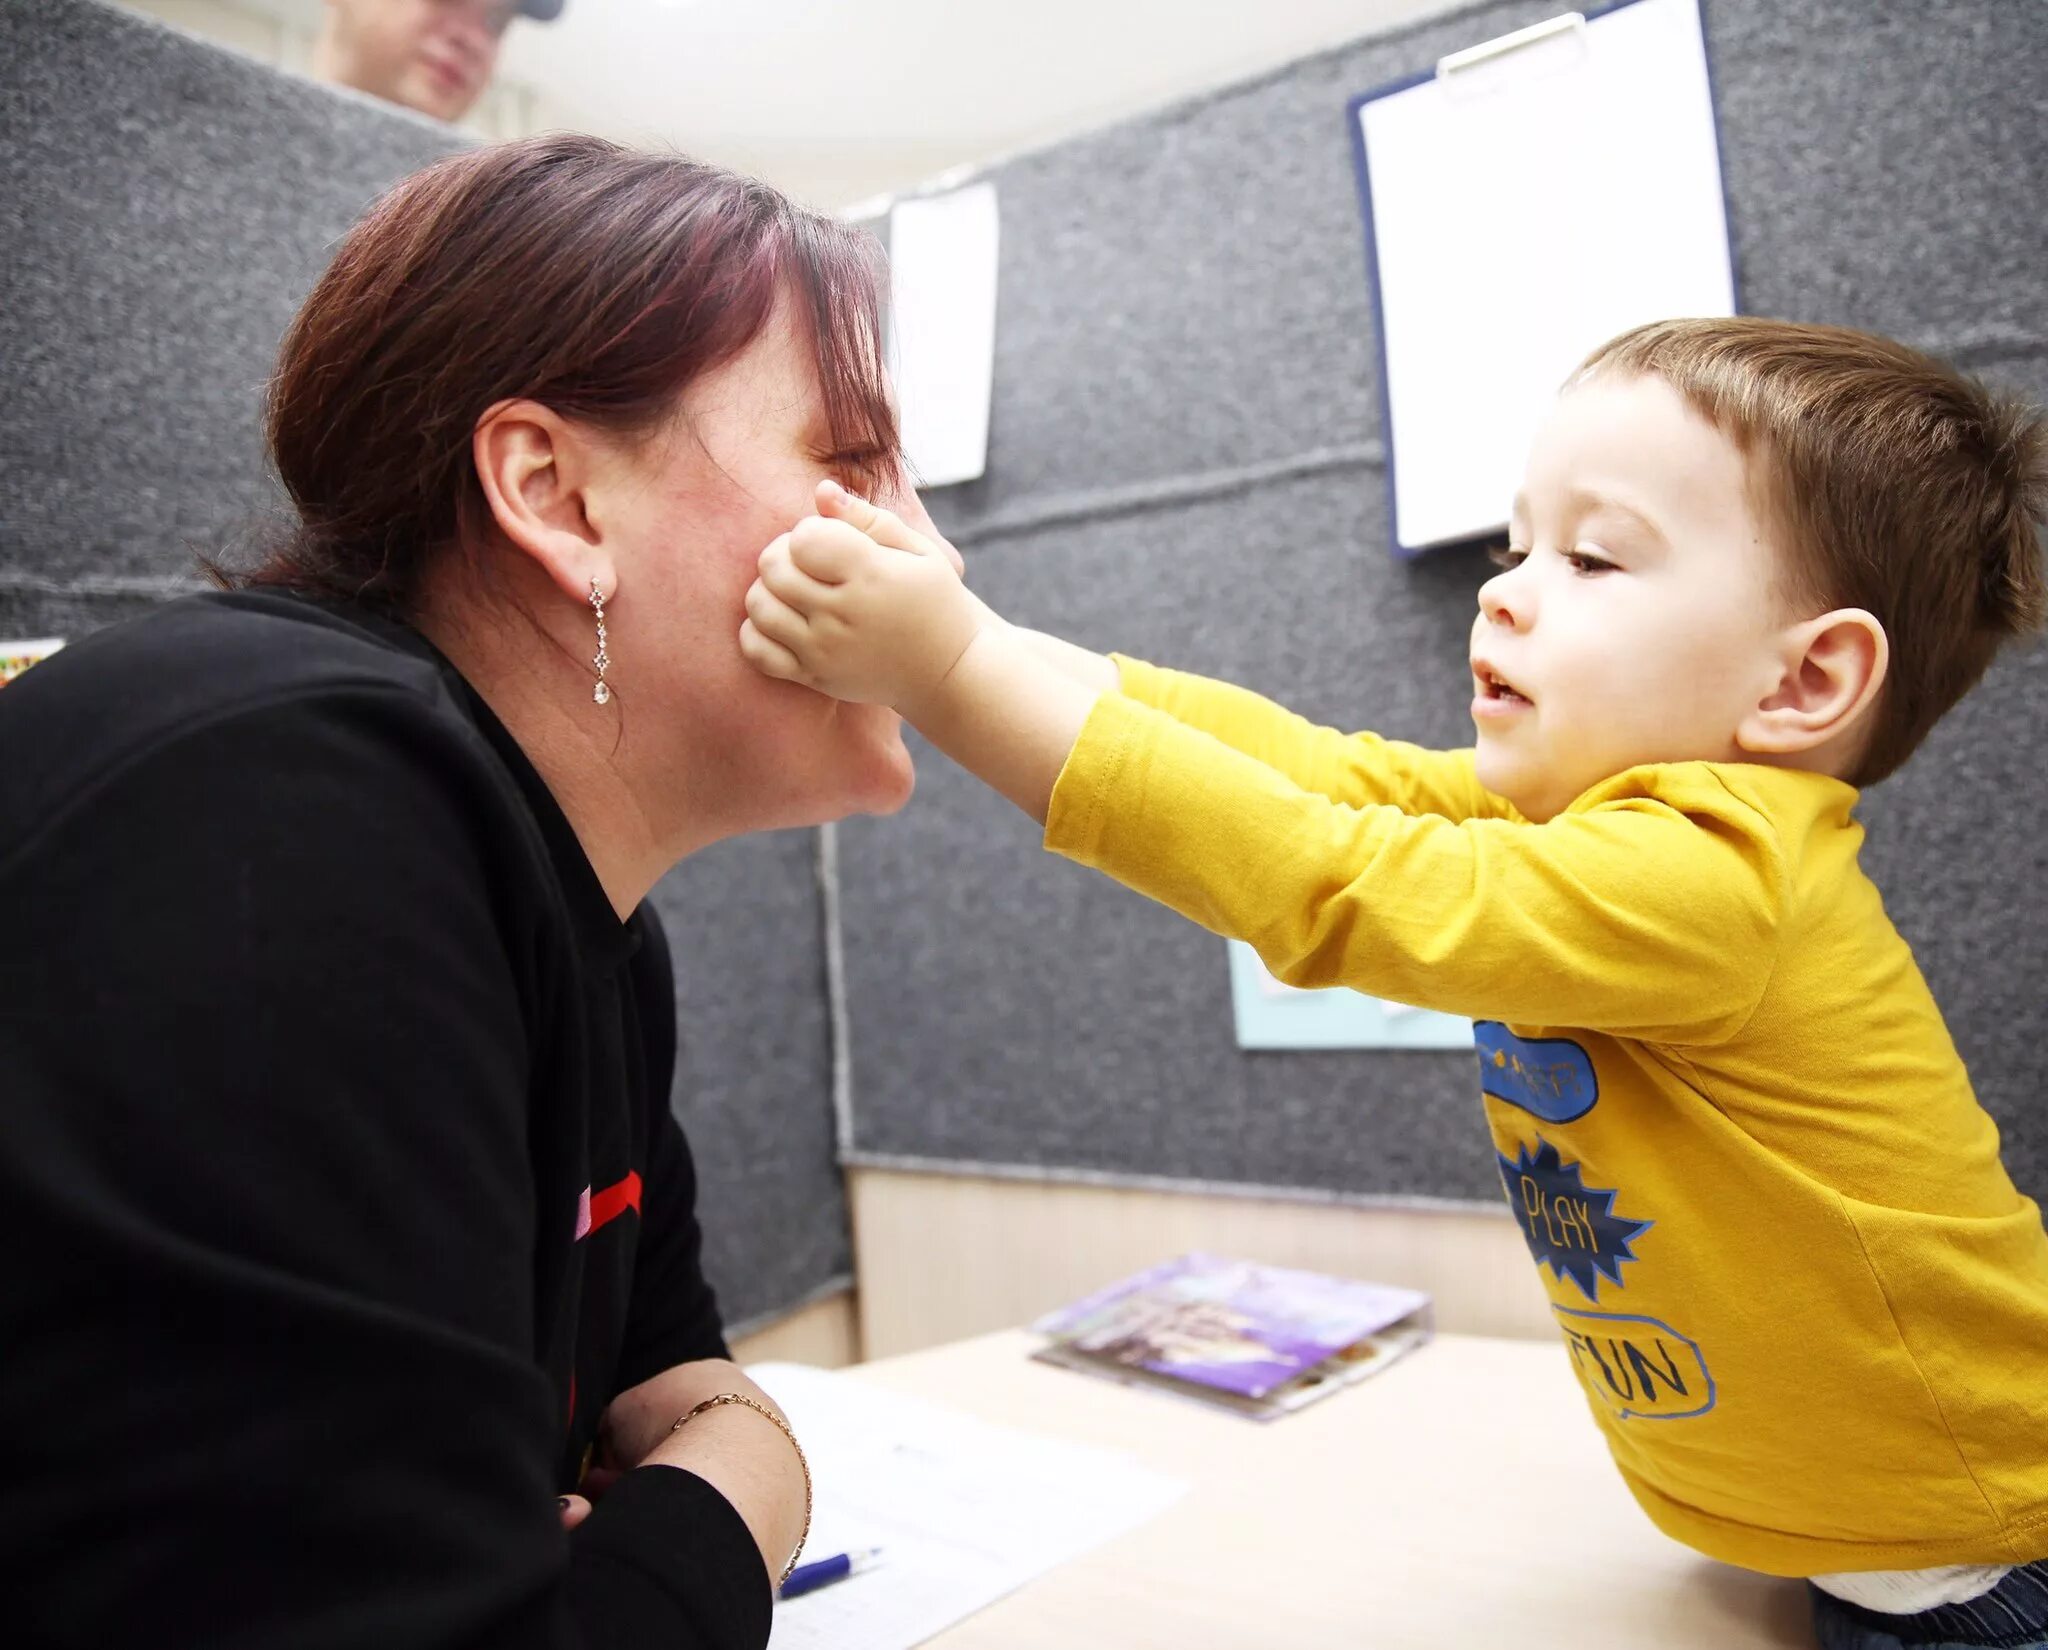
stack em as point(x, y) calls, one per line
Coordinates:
point(1527, 204)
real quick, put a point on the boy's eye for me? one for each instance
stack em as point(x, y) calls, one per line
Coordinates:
point(1507, 555)
point(1586, 561)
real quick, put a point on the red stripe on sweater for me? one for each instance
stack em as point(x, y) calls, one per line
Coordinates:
point(614, 1201)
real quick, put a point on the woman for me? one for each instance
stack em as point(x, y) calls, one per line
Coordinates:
point(349, 1225)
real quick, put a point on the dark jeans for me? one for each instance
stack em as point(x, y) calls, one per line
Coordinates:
point(2012, 1616)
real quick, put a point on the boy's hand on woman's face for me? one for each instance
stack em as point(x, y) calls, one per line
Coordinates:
point(858, 605)
point(887, 527)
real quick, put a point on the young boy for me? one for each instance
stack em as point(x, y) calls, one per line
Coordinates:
point(1751, 565)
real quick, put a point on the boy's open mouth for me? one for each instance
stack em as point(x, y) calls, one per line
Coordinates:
point(1492, 685)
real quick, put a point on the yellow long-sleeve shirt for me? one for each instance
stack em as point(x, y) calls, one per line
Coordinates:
point(1808, 1307)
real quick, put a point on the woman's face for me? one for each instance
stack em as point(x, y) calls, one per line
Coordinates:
point(701, 501)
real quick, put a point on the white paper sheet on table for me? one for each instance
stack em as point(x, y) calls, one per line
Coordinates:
point(964, 1511)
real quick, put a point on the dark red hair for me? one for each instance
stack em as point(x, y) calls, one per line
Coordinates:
point(567, 270)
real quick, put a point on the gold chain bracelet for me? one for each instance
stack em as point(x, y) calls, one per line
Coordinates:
point(762, 1409)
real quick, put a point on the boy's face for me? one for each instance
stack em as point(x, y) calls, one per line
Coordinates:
point(1637, 618)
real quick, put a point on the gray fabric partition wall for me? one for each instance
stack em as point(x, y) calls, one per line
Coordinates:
point(1185, 463)
point(163, 208)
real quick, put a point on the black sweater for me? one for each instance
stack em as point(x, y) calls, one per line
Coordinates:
point(339, 1191)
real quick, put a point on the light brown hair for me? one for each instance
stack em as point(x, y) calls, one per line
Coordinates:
point(1895, 483)
point(594, 279)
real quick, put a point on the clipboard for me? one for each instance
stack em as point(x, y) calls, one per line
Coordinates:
point(1523, 201)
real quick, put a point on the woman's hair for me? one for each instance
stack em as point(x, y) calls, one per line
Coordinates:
point(1896, 484)
point(567, 270)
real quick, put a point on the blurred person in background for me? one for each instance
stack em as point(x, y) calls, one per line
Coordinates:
point(435, 56)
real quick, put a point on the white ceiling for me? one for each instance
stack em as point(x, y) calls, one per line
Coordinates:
point(839, 99)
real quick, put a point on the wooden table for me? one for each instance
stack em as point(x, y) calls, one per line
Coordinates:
point(1462, 1498)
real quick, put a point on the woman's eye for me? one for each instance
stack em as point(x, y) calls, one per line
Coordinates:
point(1507, 555)
point(859, 464)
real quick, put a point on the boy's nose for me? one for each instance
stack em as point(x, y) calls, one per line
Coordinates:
point(1503, 603)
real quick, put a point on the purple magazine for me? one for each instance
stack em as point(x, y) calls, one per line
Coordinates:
point(1228, 1324)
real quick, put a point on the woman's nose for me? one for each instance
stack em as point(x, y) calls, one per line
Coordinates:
point(911, 512)
point(910, 507)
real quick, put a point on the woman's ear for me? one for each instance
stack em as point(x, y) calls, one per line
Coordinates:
point(537, 470)
point(1830, 672)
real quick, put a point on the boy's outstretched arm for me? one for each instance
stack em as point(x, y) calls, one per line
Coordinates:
point(1089, 668)
point(1008, 715)
point(1642, 913)
point(1357, 768)
point(859, 606)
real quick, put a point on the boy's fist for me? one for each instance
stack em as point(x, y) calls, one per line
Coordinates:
point(858, 605)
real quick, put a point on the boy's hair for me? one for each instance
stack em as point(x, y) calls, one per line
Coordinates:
point(1899, 486)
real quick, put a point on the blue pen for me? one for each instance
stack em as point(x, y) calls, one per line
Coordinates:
point(808, 1577)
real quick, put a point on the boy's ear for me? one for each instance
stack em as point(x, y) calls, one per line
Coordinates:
point(1831, 669)
point(538, 474)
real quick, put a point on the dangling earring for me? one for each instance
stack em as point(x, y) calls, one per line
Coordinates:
point(602, 693)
